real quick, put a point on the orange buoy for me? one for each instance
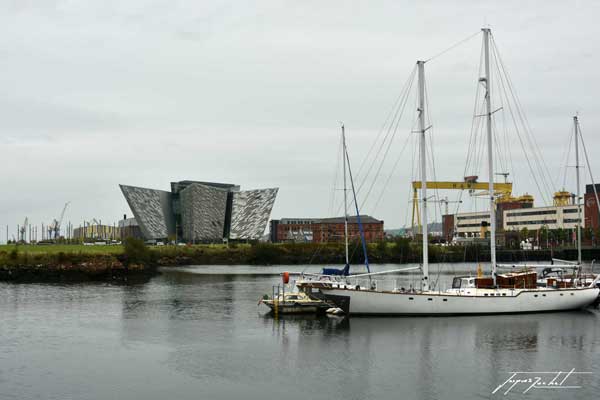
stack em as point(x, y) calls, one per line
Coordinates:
point(285, 277)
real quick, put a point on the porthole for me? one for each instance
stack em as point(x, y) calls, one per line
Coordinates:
point(429, 299)
point(411, 298)
point(445, 299)
point(544, 295)
point(562, 294)
point(535, 295)
point(572, 294)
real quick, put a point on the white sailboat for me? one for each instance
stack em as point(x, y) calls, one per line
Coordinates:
point(515, 292)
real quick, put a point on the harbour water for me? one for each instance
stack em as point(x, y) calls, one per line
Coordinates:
point(197, 333)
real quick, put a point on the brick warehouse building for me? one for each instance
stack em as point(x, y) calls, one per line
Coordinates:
point(319, 230)
point(591, 215)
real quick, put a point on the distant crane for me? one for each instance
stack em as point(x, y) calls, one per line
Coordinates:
point(446, 202)
point(54, 227)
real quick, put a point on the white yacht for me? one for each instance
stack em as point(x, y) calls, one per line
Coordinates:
point(499, 293)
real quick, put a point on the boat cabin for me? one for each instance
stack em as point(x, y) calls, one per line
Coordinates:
point(463, 282)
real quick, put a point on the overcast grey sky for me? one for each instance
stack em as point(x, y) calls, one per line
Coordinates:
point(97, 93)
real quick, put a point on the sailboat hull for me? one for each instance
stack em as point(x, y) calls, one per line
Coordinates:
point(368, 302)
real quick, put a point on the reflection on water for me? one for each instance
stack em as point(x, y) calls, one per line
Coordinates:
point(202, 336)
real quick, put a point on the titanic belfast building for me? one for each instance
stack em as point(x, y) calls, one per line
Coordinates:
point(201, 212)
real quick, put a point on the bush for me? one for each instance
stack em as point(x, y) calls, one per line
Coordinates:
point(264, 253)
point(402, 250)
point(136, 251)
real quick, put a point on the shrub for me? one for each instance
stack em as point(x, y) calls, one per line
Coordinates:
point(136, 251)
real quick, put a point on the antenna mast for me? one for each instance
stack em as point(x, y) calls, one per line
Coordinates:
point(345, 196)
point(421, 110)
point(488, 105)
point(576, 123)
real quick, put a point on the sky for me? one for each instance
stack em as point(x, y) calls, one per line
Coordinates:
point(94, 94)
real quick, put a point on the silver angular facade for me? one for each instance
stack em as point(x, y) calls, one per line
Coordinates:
point(200, 212)
point(250, 213)
point(152, 210)
point(203, 212)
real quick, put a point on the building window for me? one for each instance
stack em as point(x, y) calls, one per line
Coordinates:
point(528, 213)
point(538, 222)
point(478, 216)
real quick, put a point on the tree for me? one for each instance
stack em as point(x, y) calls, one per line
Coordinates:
point(544, 234)
point(524, 234)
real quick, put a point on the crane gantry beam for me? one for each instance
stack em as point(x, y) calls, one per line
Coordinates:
point(470, 184)
point(499, 188)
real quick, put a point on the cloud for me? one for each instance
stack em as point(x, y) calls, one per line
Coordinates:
point(94, 94)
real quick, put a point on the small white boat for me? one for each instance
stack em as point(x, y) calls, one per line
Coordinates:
point(294, 303)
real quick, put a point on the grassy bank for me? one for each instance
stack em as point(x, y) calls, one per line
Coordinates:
point(58, 263)
point(79, 262)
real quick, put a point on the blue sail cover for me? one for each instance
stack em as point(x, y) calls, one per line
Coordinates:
point(335, 271)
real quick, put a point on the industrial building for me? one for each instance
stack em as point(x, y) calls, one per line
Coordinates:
point(200, 212)
point(592, 216)
point(128, 227)
point(320, 230)
point(519, 214)
point(97, 232)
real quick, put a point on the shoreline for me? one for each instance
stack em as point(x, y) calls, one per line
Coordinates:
point(78, 263)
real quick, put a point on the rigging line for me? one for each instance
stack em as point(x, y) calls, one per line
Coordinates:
point(502, 144)
point(376, 177)
point(387, 119)
point(566, 157)
point(415, 167)
point(397, 121)
point(543, 166)
point(498, 149)
point(412, 165)
point(404, 95)
point(477, 142)
point(385, 186)
point(360, 226)
point(459, 202)
point(474, 119)
point(516, 126)
point(431, 147)
point(335, 178)
point(544, 171)
point(506, 137)
point(525, 153)
point(331, 208)
point(480, 142)
point(454, 46)
point(589, 167)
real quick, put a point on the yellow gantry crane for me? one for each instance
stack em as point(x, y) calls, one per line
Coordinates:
point(502, 191)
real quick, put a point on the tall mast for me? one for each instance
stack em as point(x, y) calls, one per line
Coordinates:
point(488, 105)
point(345, 196)
point(576, 122)
point(421, 110)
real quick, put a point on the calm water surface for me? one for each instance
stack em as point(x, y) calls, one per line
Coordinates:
point(197, 333)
